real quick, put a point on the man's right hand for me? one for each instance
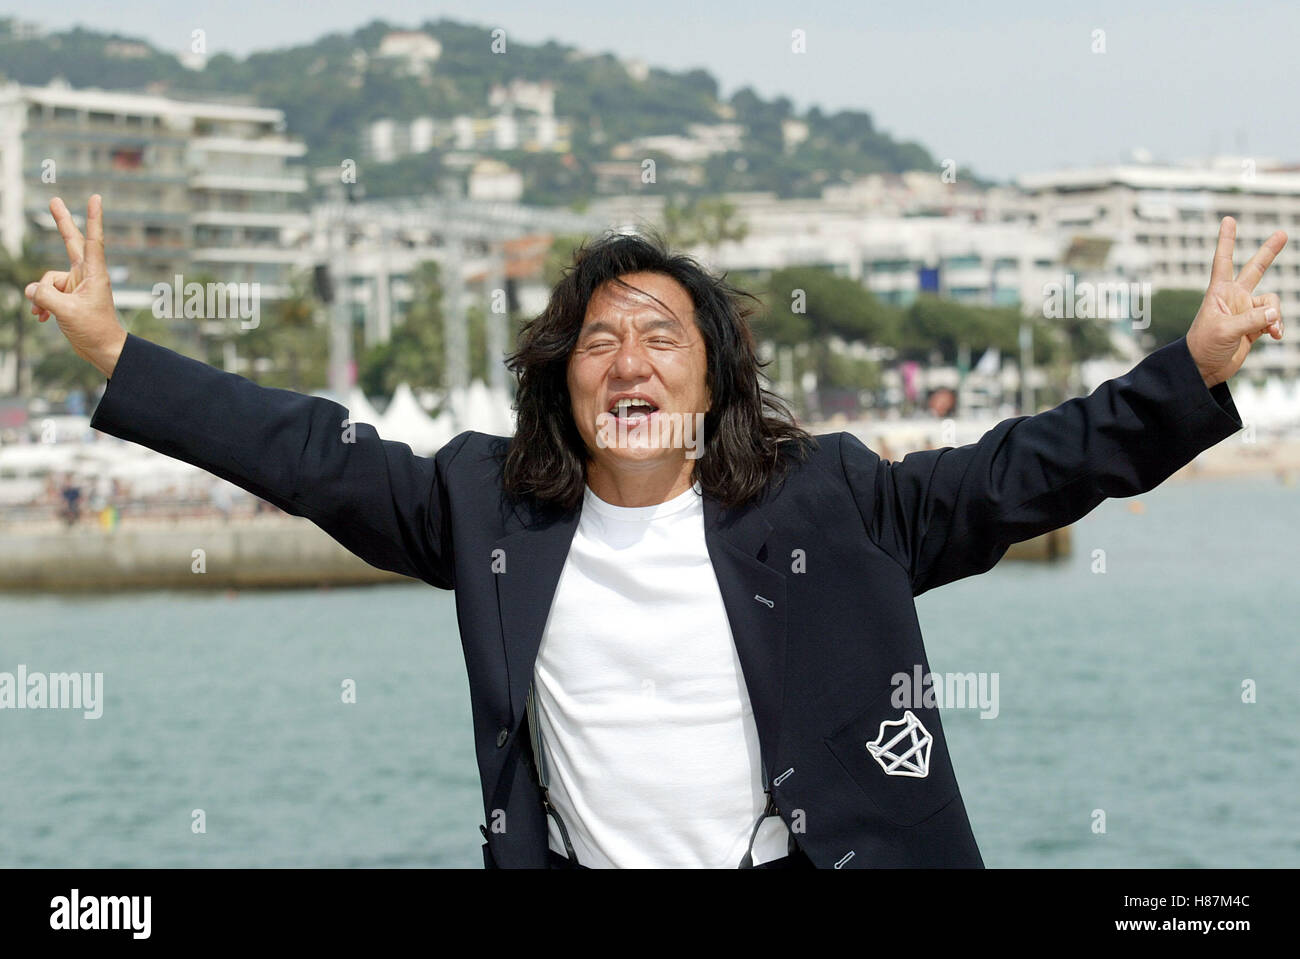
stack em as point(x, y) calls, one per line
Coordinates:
point(81, 298)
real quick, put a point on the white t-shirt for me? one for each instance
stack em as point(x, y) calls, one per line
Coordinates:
point(642, 707)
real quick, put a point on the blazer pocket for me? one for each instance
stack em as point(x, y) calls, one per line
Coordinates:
point(898, 757)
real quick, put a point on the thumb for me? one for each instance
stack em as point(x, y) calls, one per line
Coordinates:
point(1254, 321)
point(47, 297)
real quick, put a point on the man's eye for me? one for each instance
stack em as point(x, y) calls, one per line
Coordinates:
point(600, 345)
point(662, 339)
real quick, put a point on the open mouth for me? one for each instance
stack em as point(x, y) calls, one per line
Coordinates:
point(633, 410)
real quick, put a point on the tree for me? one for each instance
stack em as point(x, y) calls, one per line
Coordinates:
point(414, 353)
point(810, 306)
point(293, 337)
point(829, 305)
point(702, 221)
point(559, 257)
point(1172, 312)
point(15, 273)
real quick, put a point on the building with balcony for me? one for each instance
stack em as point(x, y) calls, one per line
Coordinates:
point(190, 187)
point(1161, 223)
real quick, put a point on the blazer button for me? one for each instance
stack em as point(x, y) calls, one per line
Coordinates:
point(502, 737)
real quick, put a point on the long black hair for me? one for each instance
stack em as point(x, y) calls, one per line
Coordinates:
point(749, 433)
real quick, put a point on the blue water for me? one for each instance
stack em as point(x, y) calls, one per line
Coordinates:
point(1118, 691)
point(1122, 691)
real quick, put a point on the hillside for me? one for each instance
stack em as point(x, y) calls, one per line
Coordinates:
point(333, 88)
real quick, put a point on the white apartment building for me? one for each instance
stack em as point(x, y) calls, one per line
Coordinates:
point(375, 247)
point(536, 97)
point(1162, 224)
point(1155, 226)
point(388, 139)
point(700, 142)
point(897, 257)
point(189, 187)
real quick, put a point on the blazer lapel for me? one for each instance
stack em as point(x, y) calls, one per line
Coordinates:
point(753, 593)
point(534, 557)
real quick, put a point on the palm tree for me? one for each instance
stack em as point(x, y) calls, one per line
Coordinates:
point(15, 273)
point(416, 352)
point(706, 221)
point(291, 335)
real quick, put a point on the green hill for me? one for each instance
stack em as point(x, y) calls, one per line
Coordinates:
point(332, 88)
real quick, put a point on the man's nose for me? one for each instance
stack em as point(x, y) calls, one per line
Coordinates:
point(631, 360)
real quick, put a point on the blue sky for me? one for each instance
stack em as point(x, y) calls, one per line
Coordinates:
point(1004, 87)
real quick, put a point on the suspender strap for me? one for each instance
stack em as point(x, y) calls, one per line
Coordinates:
point(747, 861)
point(544, 776)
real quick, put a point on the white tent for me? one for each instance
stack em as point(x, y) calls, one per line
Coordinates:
point(26, 457)
point(482, 409)
point(359, 408)
point(446, 424)
point(407, 422)
point(1276, 404)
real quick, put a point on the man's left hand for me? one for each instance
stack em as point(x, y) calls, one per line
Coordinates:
point(1232, 316)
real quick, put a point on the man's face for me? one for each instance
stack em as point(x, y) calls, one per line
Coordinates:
point(629, 343)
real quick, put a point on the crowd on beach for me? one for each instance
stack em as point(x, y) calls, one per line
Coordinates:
point(79, 499)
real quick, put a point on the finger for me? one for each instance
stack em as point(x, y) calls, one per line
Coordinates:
point(72, 238)
point(1255, 321)
point(1253, 271)
point(1266, 300)
point(1221, 271)
point(47, 297)
point(1273, 329)
point(57, 280)
point(57, 277)
point(95, 232)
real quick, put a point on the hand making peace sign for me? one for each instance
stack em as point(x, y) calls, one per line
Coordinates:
point(81, 298)
point(1232, 317)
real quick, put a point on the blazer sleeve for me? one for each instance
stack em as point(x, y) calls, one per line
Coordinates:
point(948, 513)
point(374, 496)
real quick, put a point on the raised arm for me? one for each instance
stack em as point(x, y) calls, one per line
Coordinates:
point(944, 514)
point(948, 513)
point(374, 496)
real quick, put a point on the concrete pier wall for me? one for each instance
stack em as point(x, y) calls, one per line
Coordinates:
point(275, 552)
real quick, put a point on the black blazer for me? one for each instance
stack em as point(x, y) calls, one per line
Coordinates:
point(818, 641)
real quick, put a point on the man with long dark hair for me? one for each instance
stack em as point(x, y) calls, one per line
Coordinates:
point(681, 614)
